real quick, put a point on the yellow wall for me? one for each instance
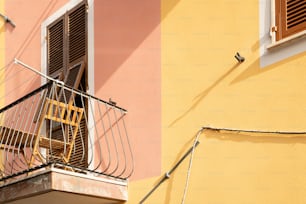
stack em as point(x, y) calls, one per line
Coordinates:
point(203, 85)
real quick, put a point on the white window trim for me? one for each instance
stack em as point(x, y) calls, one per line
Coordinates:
point(90, 46)
point(272, 51)
point(291, 38)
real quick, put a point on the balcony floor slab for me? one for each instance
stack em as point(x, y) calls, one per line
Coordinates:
point(53, 185)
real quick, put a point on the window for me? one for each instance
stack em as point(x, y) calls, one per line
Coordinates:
point(282, 30)
point(67, 41)
point(67, 60)
point(290, 18)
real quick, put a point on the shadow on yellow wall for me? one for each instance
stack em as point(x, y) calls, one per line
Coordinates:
point(252, 70)
point(204, 93)
point(167, 7)
point(169, 189)
point(235, 137)
point(277, 139)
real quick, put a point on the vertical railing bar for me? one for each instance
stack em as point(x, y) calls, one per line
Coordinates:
point(105, 136)
point(87, 125)
point(1, 129)
point(57, 113)
point(83, 138)
point(11, 138)
point(63, 126)
point(70, 128)
point(129, 145)
point(117, 155)
point(29, 127)
point(53, 95)
point(6, 125)
point(99, 145)
point(64, 132)
point(8, 116)
point(44, 109)
point(25, 123)
point(79, 130)
point(16, 131)
point(12, 129)
point(32, 135)
point(22, 135)
point(90, 136)
point(57, 97)
point(6, 148)
point(37, 124)
point(119, 132)
point(20, 130)
point(2, 126)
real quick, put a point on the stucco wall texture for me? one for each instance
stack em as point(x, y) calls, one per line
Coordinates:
point(203, 85)
point(171, 64)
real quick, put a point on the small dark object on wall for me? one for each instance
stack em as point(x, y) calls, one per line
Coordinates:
point(239, 57)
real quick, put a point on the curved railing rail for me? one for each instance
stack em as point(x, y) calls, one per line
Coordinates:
point(61, 125)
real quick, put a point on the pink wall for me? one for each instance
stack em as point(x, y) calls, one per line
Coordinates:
point(127, 69)
point(24, 42)
point(127, 64)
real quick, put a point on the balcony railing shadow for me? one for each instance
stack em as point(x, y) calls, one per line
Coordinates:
point(67, 128)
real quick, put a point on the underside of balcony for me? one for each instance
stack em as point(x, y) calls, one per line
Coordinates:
point(49, 184)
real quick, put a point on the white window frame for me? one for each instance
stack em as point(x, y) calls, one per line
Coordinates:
point(90, 46)
point(272, 51)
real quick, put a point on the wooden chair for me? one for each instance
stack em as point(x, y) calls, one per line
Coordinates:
point(60, 109)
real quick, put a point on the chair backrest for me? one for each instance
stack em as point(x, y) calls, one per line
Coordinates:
point(72, 80)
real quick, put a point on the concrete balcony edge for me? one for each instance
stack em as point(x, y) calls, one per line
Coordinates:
point(57, 185)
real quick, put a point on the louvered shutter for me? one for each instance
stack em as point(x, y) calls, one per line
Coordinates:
point(56, 65)
point(77, 52)
point(290, 17)
point(55, 47)
point(67, 54)
point(77, 35)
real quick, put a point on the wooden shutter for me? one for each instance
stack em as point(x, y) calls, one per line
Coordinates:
point(67, 54)
point(55, 47)
point(77, 52)
point(72, 79)
point(290, 17)
point(67, 40)
point(79, 157)
point(77, 34)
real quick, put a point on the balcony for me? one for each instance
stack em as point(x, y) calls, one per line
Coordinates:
point(58, 144)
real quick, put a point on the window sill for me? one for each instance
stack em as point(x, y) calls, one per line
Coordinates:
point(287, 40)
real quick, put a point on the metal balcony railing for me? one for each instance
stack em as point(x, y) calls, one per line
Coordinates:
point(58, 125)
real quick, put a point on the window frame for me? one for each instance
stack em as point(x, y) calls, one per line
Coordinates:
point(270, 51)
point(69, 6)
point(279, 35)
point(90, 39)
